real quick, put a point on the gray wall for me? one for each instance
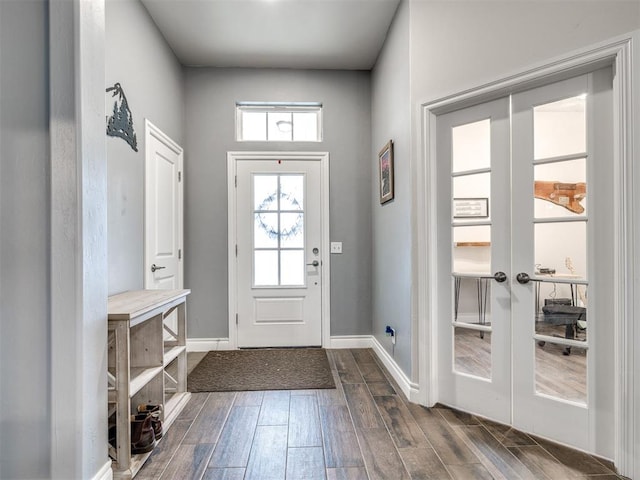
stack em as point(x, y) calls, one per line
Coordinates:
point(391, 114)
point(210, 102)
point(141, 61)
point(24, 251)
point(464, 44)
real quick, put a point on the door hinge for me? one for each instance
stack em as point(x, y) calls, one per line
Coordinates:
point(179, 254)
point(236, 180)
point(179, 176)
point(236, 319)
point(236, 249)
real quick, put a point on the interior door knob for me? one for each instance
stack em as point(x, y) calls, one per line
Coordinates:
point(523, 278)
point(500, 277)
point(315, 263)
point(154, 267)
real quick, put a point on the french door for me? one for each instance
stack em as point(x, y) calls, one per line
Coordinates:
point(525, 208)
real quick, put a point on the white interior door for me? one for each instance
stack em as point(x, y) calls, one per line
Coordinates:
point(475, 366)
point(520, 348)
point(163, 266)
point(279, 257)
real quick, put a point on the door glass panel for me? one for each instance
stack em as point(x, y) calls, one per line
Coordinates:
point(265, 192)
point(291, 230)
point(560, 128)
point(265, 232)
point(278, 230)
point(472, 249)
point(291, 188)
point(292, 267)
point(561, 310)
point(471, 299)
point(561, 249)
point(265, 269)
point(472, 352)
point(471, 194)
point(471, 145)
point(561, 371)
point(560, 189)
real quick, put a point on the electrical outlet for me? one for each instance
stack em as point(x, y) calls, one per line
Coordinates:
point(336, 247)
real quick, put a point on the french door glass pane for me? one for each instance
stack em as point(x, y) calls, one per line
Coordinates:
point(471, 145)
point(472, 249)
point(471, 300)
point(471, 194)
point(561, 372)
point(560, 189)
point(560, 128)
point(561, 249)
point(472, 352)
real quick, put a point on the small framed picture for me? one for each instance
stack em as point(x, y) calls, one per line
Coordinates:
point(470, 208)
point(385, 160)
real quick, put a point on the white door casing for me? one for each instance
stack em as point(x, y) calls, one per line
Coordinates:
point(278, 311)
point(163, 211)
point(515, 331)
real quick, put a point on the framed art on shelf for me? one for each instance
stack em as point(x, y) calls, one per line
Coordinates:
point(470, 208)
point(385, 161)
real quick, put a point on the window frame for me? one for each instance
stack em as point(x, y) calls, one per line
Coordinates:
point(277, 108)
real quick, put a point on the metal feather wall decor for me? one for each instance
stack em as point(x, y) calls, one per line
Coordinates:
point(120, 123)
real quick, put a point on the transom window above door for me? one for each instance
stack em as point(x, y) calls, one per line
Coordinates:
point(278, 122)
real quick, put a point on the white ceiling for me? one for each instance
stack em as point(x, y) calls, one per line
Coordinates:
point(317, 34)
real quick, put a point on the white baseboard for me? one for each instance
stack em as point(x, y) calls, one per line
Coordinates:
point(207, 344)
point(105, 473)
point(410, 389)
point(351, 341)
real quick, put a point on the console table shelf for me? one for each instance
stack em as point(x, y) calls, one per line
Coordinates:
point(147, 364)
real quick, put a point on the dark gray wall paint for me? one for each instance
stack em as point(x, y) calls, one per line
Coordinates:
point(140, 60)
point(391, 118)
point(24, 244)
point(210, 105)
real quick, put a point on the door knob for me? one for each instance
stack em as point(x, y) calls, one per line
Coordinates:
point(525, 278)
point(154, 267)
point(315, 263)
point(500, 277)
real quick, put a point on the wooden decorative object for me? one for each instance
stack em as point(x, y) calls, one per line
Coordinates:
point(567, 195)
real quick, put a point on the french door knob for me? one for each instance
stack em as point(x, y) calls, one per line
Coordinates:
point(525, 278)
point(500, 277)
point(154, 267)
point(315, 263)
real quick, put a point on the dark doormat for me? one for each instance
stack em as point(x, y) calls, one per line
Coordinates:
point(262, 369)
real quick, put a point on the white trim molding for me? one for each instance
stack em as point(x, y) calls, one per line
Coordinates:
point(208, 344)
point(351, 341)
point(618, 53)
point(325, 259)
point(105, 473)
point(410, 389)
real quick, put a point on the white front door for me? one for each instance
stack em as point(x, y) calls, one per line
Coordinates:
point(279, 252)
point(526, 250)
point(163, 215)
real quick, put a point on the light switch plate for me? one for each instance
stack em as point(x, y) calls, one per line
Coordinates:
point(336, 247)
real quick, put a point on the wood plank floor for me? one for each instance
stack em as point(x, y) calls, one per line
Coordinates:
point(364, 429)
